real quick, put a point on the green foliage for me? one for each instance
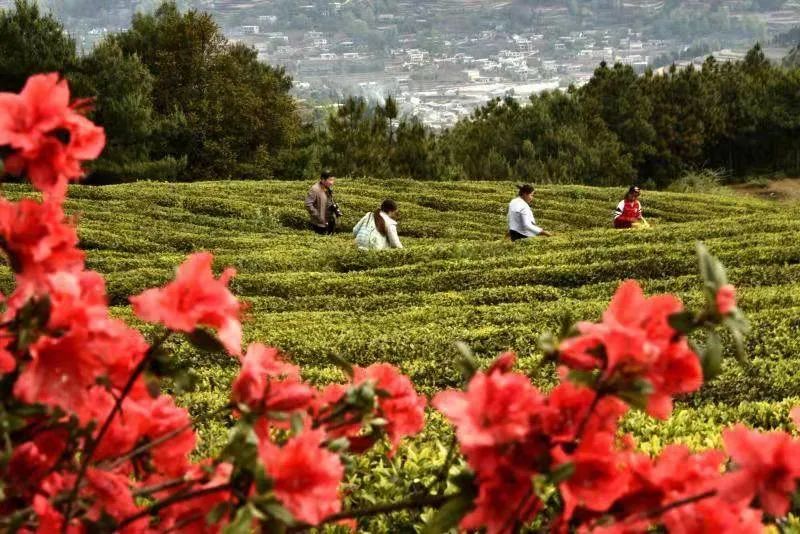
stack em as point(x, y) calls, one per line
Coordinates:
point(31, 43)
point(704, 181)
point(176, 99)
point(619, 127)
point(319, 299)
point(549, 140)
point(218, 106)
point(372, 140)
point(122, 90)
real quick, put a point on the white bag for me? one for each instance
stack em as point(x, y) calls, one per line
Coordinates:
point(368, 237)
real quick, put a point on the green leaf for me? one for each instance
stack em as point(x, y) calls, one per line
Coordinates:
point(297, 422)
point(586, 378)
point(638, 394)
point(339, 445)
point(712, 356)
point(153, 386)
point(262, 482)
point(217, 513)
point(682, 322)
point(449, 515)
point(205, 341)
point(242, 446)
point(548, 344)
point(242, 522)
point(710, 267)
point(466, 361)
point(562, 472)
point(341, 363)
point(275, 509)
point(738, 346)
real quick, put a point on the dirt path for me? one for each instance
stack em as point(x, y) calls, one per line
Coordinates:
point(784, 189)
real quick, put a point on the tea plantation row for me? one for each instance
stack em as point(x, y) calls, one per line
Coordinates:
point(456, 280)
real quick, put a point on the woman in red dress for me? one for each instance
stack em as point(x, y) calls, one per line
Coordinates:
point(629, 210)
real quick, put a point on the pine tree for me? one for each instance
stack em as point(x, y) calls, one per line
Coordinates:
point(31, 43)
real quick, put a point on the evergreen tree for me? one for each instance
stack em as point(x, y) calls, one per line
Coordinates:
point(614, 94)
point(31, 43)
point(227, 113)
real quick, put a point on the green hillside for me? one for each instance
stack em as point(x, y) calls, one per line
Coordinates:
point(457, 280)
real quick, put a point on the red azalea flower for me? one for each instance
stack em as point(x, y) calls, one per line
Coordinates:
point(305, 475)
point(78, 301)
point(344, 425)
point(495, 410)
point(171, 457)
point(60, 372)
point(141, 420)
point(51, 520)
point(633, 342)
point(713, 515)
point(625, 527)
point(768, 466)
point(399, 403)
point(32, 460)
point(50, 138)
point(38, 240)
point(674, 475)
point(110, 494)
point(8, 362)
point(503, 363)
point(676, 371)
point(195, 299)
point(600, 475)
point(266, 383)
point(568, 406)
point(679, 473)
point(40, 108)
point(125, 430)
point(726, 299)
point(504, 500)
point(189, 516)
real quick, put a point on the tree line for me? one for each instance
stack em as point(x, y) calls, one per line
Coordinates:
point(743, 117)
point(180, 102)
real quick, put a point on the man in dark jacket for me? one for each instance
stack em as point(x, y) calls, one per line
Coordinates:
point(321, 206)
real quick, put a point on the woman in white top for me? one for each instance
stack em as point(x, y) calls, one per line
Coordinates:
point(377, 230)
point(521, 223)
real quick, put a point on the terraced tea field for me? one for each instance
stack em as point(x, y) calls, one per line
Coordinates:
point(457, 280)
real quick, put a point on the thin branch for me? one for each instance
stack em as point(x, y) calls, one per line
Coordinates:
point(581, 429)
point(409, 504)
point(148, 490)
point(90, 450)
point(169, 501)
point(166, 437)
point(440, 482)
point(149, 445)
point(677, 504)
point(378, 509)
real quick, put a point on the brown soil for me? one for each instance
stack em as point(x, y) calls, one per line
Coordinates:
point(784, 189)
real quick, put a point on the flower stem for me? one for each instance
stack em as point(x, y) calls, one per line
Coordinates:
point(386, 508)
point(169, 501)
point(677, 504)
point(90, 450)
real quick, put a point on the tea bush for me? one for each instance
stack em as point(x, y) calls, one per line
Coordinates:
point(456, 280)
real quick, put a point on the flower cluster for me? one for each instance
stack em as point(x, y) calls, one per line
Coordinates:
point(93, 446)
point(518, 441)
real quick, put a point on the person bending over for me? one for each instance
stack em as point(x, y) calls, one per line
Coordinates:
point(521, 223)
point(377, 230)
